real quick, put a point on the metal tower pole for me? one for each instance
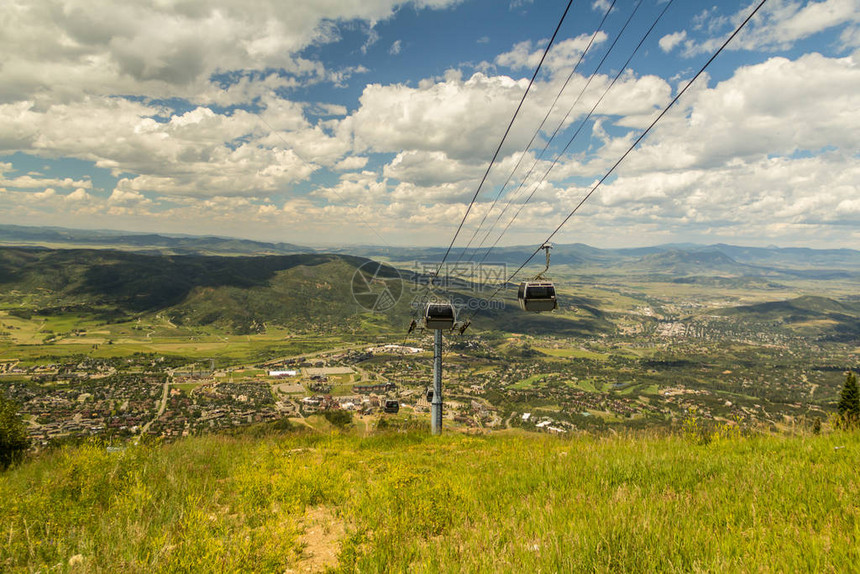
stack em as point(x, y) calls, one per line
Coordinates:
point(436, 405)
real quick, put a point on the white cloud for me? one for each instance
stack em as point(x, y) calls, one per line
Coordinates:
point(779, 107)
point(127, 197)
point(79, 195)
point(395, 48)
point(739, 161)
point(745, 194)
point(430, 168)
point(461, 118)
point(778, 25)
point(561, 58)
point(466, 119)
point(850, 38)
point(63, 50)
point(669, 41)
point(441, 196)
point(199, 152)
point(45, 195)
point(354, 188)
point(350, 163)
point(600, 5)
point(30, 182)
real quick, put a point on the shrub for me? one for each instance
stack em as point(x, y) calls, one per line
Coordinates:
point(338, 417)
point(849, 401)
point(13, 435)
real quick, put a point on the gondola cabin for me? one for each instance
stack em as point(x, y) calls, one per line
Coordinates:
point(391, 407)
point(439, 316)
point(537, 296)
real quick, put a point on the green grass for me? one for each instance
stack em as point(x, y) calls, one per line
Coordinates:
point(411, 502)
point(185, 387)
point(636, 389)
point(529, 382)
point(573, 353)
point(27, 335)
point(584, 384)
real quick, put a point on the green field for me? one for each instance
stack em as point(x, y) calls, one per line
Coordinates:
point(569, 353)
point(26, 340)
point(411, 502)
point(185, 387)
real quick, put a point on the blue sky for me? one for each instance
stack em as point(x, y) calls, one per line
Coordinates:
point(344, 122)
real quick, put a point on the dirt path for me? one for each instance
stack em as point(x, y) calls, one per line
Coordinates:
point(321, 540)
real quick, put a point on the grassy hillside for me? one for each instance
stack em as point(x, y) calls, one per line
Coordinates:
point(410, 502)
point(238, 294)
point(809, 314)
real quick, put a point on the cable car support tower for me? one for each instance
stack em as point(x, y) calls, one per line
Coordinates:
point(436, 404)
point(439, 314)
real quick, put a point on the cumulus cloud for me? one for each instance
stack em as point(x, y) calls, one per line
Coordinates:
point(778, 26)
point(122, 196)
point(562, 57)
point(63, 50)
point(669, 41)
point(199, 152)
point(600, 5)
point(743, 159)
point(796, 192)
point(47, 194)
point(465, 119)
point(429, 168)
point(79, 195)
point(779, 107)
point(353, 188)
point(30, 182)
point(350, 163)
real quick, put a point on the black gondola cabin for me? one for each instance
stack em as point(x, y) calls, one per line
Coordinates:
point(537, 296)
point(391, 406)
point(439, 316)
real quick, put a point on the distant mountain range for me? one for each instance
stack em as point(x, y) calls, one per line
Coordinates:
point(174, 244)
point(676, 260)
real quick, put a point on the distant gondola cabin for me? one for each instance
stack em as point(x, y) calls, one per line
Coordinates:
point(392, 407)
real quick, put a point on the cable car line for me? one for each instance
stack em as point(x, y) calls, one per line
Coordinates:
point(630, 149)
point(507, 131)
point(538, 130)
point(582, 123)
point(516, 193)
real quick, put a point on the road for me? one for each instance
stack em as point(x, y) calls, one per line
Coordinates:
point(321, 352)
point(161, 407)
